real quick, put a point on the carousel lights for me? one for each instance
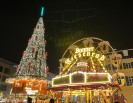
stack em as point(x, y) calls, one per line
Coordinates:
point(84, 54)
point(81, 64)
point(58, 77)
point(77, 93)
point(109, 77)
point(102, 65)
point(92, 63)
point(78, 50)
point(87, 54)
point(69, 67)
point(76, 73)
point(85, 78)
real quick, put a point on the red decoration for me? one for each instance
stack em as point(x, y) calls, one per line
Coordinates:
point(47, 70)
point(46, 55)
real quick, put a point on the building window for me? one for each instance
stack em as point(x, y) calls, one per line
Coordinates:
point(124, 65)
point(3, 87)
point(1, 69)
point(129, 80)
point(128, 65)
point(7, 71)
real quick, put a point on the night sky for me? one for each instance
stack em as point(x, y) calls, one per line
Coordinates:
point(65, 22)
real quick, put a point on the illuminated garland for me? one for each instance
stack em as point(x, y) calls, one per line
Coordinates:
point(81, 78)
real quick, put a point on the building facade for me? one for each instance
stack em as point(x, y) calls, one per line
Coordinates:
point(7, 70)
point(126, 67)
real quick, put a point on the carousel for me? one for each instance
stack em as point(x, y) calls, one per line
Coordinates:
point(84, 77)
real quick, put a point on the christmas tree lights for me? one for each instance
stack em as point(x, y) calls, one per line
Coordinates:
point(33, 62)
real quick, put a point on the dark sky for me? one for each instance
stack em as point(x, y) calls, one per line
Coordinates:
point(109, 20)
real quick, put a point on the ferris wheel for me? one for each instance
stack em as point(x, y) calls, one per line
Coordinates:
point(89, 54)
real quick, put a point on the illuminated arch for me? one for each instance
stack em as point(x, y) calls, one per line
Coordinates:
point(84, 43)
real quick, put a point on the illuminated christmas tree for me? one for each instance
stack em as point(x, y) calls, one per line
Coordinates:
point(31, 74)
point(33, 62)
